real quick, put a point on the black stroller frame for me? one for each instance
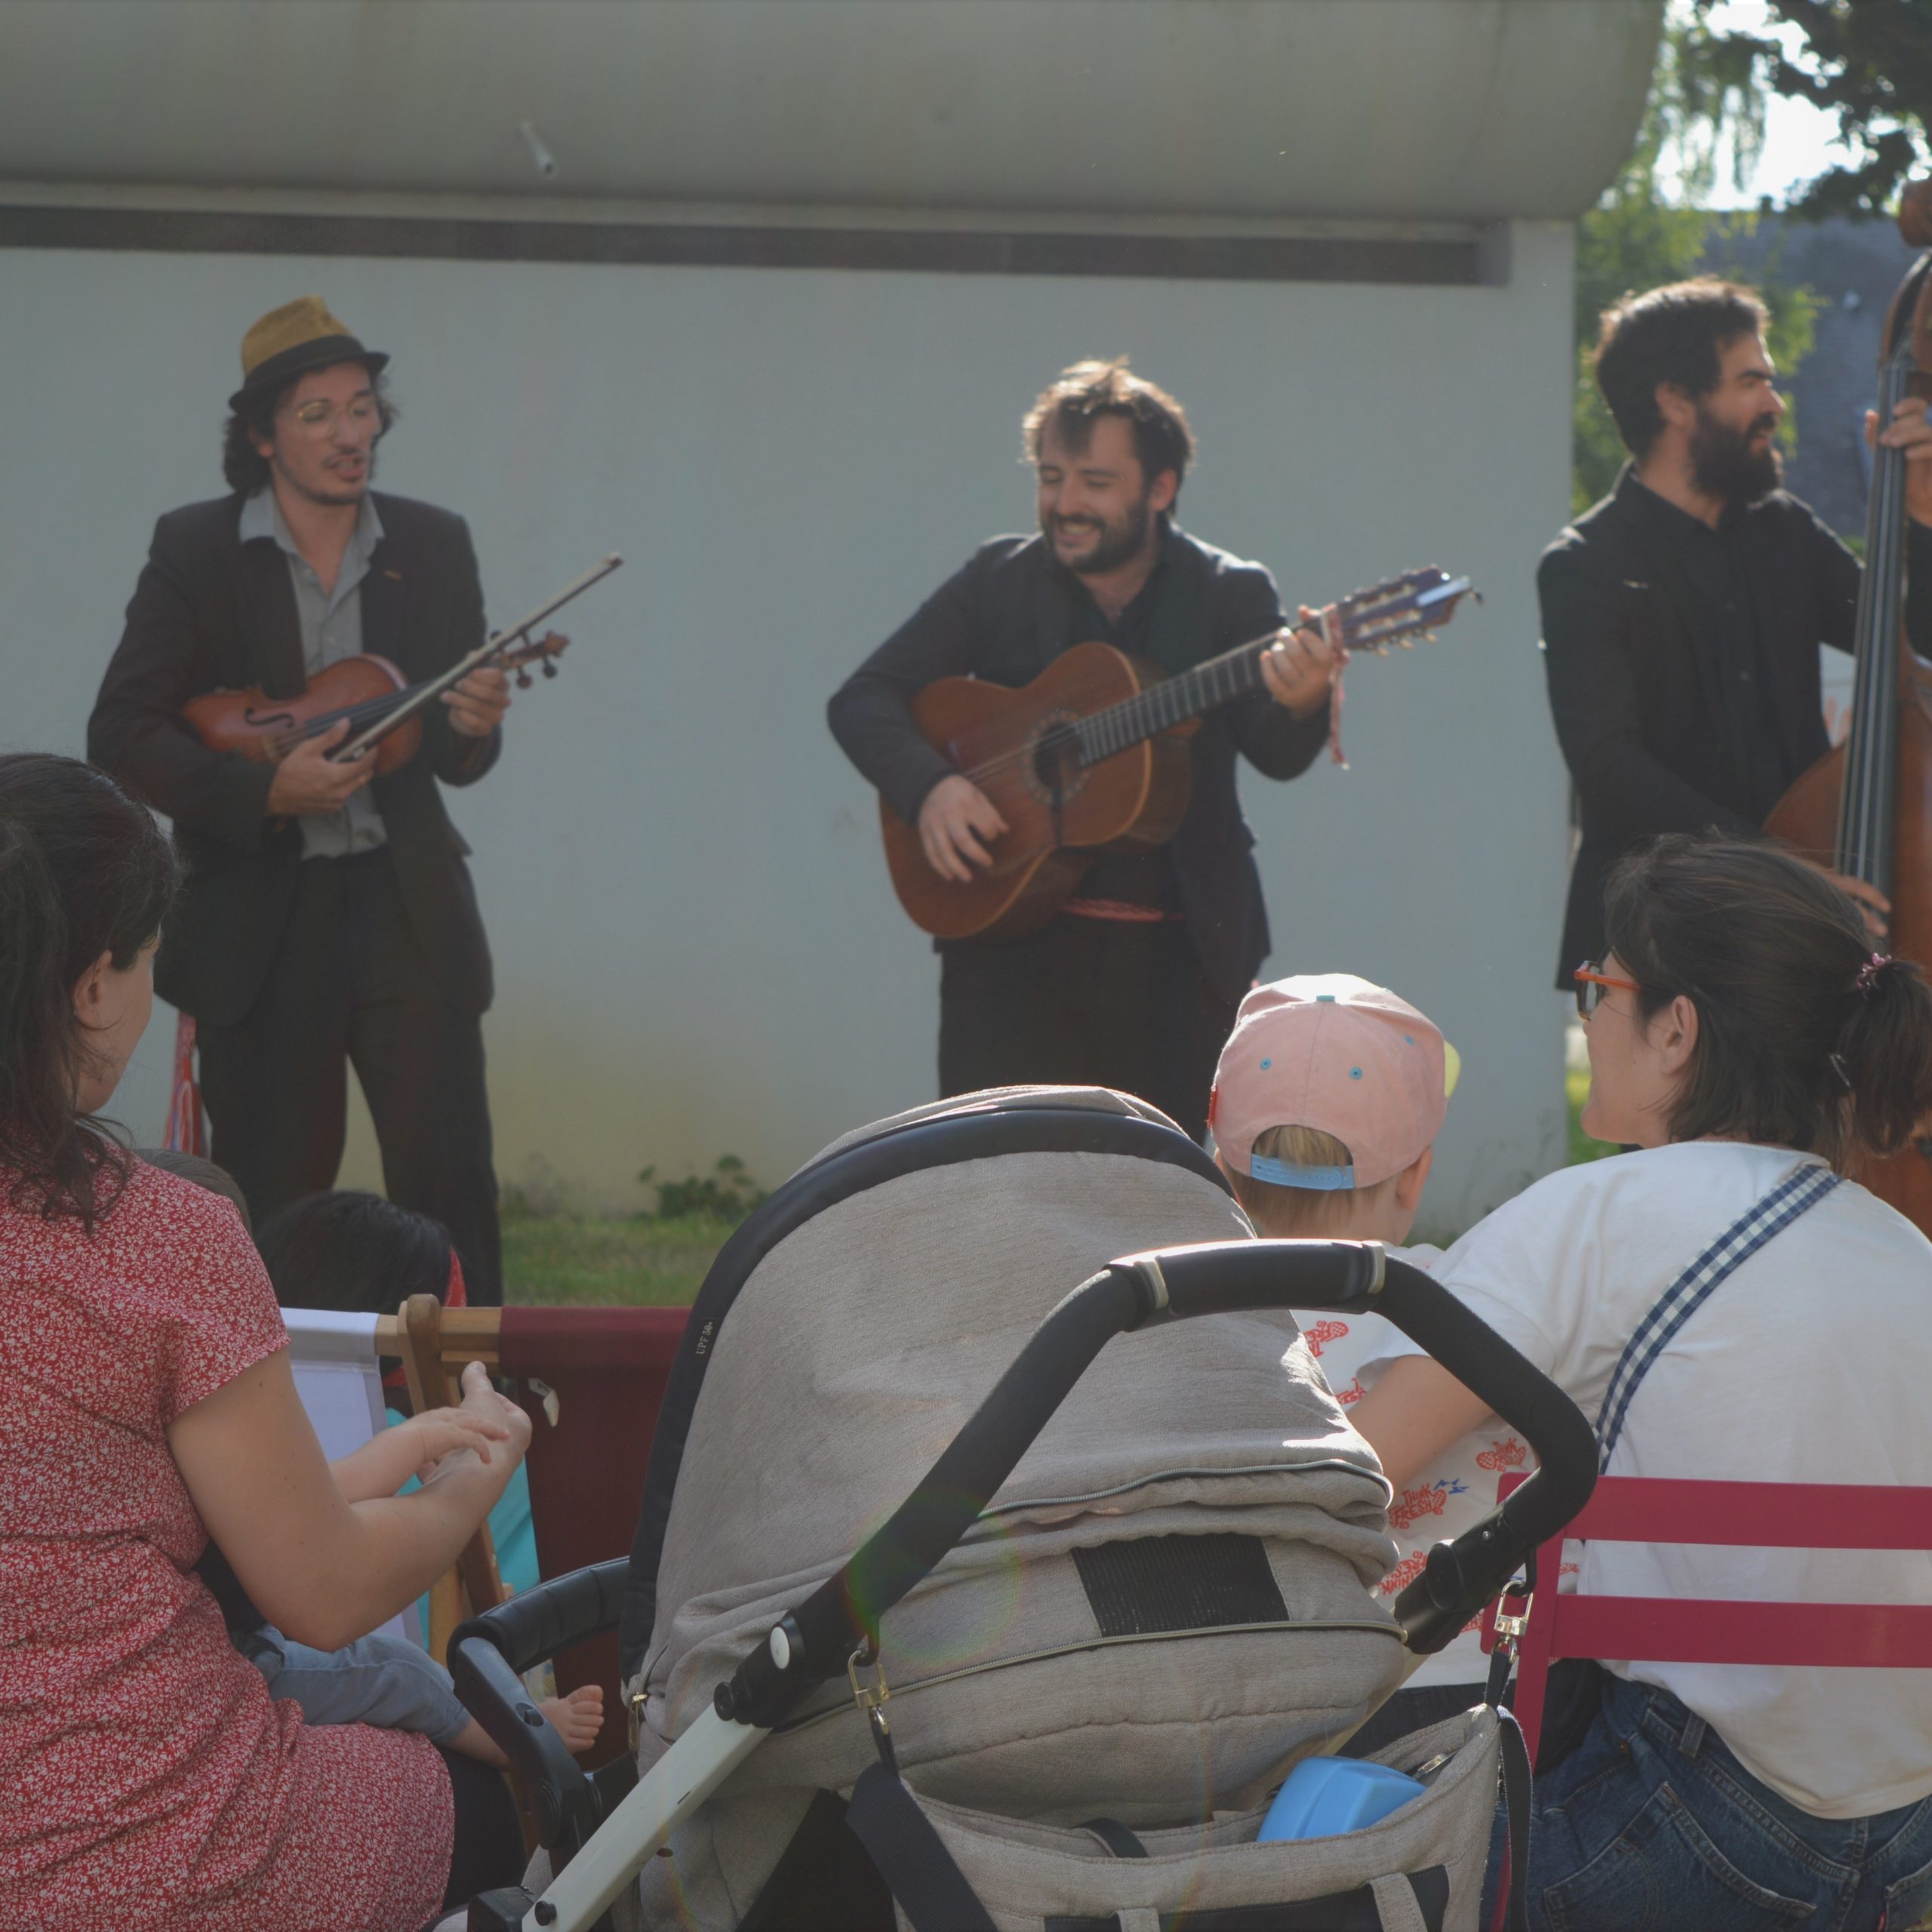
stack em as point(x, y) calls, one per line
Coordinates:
point(600, 1828)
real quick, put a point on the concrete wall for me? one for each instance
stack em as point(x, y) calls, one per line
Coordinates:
point(697, 949)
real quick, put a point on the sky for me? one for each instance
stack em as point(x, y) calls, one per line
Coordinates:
point(1799, 141)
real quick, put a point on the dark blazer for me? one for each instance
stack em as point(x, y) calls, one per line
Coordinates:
point(210, 612)
point(1004, 617)
point(1634, 672)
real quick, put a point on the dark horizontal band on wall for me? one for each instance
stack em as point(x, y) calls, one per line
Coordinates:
point(1456, 261)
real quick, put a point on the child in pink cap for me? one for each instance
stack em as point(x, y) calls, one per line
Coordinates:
point(1329, 1095)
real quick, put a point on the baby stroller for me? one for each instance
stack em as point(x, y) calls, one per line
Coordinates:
point(1055, 1686)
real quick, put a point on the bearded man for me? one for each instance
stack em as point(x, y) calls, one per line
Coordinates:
point(1682, 615)
point(1134, 983)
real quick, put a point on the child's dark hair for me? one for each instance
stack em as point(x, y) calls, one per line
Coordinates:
point(85, 871)
point(355, 1252)
point(1806, 1038)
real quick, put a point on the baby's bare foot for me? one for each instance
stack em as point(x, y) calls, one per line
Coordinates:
point(578, 1718)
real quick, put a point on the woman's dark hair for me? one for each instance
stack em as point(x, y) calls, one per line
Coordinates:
point(1802, 1040)
point(355, 1252)
point(84, 870)
point(1676, 334)
point(243, 465)
point(1079, 395)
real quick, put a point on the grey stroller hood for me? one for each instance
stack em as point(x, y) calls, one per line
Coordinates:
point(1108, 1639)
point(1002, 1551)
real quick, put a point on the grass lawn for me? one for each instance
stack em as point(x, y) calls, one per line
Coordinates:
point(631, 1261)
point(598, 1260)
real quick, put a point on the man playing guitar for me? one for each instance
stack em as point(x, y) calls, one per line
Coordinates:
point(1134, 983)
point(326, 919)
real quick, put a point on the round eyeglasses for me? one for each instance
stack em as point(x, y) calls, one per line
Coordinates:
point(318, 416)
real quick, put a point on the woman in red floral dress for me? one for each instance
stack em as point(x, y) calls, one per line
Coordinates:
point(146, 1780)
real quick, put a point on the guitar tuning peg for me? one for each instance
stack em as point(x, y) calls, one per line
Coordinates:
point(523, 679)
point(1408, 644)
point(549, 667)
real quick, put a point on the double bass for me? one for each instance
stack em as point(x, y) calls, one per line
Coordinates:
point(1864, 808)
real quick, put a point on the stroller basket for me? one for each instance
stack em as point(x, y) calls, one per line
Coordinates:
point(1005, 1871)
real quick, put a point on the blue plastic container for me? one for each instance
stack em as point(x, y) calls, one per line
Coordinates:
point(1326, 1796)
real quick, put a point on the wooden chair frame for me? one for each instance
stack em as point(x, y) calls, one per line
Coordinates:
point(435, 1344)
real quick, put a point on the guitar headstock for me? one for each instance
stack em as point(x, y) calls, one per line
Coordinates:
point(1398, 610)
point(544, 650)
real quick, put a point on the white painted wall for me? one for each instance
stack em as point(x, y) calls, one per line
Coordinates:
point(697, 950)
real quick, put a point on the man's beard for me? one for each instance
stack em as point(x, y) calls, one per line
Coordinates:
point(1723, 463)
point(1118, 542)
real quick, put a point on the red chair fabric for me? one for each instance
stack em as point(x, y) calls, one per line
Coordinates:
point(1668, 1630)
point(608, 1366)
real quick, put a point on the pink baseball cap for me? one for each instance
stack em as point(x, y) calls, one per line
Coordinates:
point(1334, 1052)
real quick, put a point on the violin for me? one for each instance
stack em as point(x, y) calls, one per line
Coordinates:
point(382, 706)
point(1864, 808)
point(383, 709)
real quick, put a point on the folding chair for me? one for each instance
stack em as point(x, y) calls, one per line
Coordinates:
point(591, 1380)
point(1712, 1630)
point(1552, 1623)
point(435, 1344)
point(337, 1365)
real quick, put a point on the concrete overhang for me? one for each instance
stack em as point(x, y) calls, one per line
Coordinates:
point(1243, 114)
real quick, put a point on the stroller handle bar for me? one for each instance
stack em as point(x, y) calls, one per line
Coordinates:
point(816, 1641)
point(1462, 1576)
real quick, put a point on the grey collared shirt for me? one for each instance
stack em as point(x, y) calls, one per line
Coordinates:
point(331, 624)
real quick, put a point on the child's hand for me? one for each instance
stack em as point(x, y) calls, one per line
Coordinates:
point(441, 1432)
point(480, 1400)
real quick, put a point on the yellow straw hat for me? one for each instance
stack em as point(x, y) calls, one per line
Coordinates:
point(289, 341)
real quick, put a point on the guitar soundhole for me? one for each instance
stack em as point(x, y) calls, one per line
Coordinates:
point(1054, 773)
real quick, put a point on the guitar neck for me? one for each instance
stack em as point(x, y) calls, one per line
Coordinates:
point(1174, 701)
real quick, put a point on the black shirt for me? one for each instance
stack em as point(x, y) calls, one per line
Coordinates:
point(1683, 670)
point(1006, 615)
point(1724, 567)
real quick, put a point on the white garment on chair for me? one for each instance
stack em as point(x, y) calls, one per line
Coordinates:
point(339, 1380)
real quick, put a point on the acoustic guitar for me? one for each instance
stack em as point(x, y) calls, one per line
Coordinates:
point(1092, 756)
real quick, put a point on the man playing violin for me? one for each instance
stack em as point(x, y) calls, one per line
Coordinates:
point(328, 917)
point(1682, 615)
point(1134, 983)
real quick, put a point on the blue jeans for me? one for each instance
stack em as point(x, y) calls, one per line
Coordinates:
point(380, 1680)
point(1652, 1825)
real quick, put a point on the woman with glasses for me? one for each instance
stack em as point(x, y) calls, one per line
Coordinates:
point(1726, 1303)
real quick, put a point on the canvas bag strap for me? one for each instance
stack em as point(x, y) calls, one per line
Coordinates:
point(911, 1856)
point(1793, 1195)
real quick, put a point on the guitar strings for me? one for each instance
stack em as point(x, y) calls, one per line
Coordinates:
point(1240, 658)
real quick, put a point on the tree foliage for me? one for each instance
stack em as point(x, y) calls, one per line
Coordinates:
point(1867, 62)
point(1705, 121)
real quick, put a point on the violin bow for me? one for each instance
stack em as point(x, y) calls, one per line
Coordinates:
point(423, 693)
